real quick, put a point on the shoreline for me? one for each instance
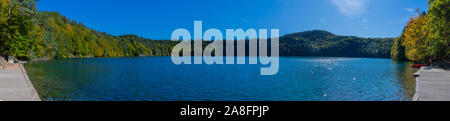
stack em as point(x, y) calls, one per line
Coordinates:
point(50, 59)
point(34, 94)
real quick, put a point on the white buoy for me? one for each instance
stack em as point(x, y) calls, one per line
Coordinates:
point(324, 95)
point(354, 78)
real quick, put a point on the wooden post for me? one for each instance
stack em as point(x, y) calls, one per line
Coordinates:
point(10, 59)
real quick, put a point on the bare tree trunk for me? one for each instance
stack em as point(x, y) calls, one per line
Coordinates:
point(9, 10)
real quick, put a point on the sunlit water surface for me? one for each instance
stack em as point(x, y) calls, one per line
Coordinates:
point(158, 79)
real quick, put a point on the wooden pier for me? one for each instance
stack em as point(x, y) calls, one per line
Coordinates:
point(433, 84)
point(15, 85)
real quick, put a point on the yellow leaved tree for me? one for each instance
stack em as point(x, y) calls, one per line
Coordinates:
point(415, 36)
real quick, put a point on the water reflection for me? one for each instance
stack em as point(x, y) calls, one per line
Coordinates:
point(157, 79)
point(405, 76)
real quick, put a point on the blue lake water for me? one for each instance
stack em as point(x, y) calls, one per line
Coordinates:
point(158, 79)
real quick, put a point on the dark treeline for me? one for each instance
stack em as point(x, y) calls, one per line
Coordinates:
point(323, 43)
point(28, 34)
point(326, 44)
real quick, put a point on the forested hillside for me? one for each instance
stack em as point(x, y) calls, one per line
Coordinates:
point(73, 39)
point(323, 43)
point(30, 34)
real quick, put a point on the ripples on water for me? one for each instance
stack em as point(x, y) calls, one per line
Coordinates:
point(157, 79)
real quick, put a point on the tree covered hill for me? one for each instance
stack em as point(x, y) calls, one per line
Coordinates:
point(30, 34)
point(69, 38)
point(323, 43)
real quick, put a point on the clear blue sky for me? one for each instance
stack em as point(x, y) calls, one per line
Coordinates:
point(156, 19)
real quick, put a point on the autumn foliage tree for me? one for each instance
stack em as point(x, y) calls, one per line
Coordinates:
point(415, 35)
point(425, 38)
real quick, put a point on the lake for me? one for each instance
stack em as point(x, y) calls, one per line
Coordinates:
point(158, 79)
